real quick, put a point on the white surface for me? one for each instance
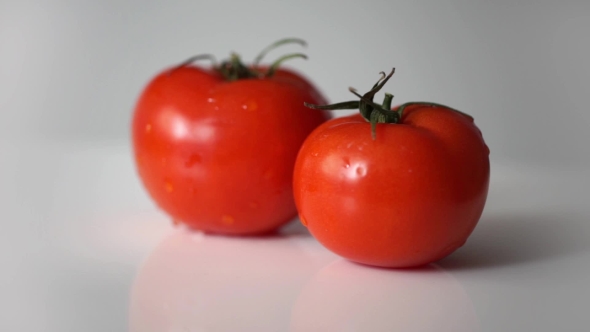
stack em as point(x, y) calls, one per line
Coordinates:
point(83, 249)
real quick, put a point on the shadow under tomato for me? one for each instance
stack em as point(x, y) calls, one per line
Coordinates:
point(290, 229)
point(515, 239)
point(293, 228)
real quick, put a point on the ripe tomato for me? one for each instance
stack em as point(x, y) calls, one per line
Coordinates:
point(215, 147)
point(408, 196)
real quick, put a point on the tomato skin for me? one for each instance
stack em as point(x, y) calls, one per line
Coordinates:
point(218, 155)
point(408, 198)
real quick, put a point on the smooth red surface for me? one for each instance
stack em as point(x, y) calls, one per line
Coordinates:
point(408, 198)
point(219, 155)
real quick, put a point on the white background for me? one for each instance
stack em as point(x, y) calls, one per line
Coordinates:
point(77, 223)
point(73, 69)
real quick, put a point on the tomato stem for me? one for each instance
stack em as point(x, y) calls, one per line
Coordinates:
point(387, 102)
point(375, 113)
point(275, 65)
point(192, 59)
point(347, 105)
point(276, 44)
point(370, 111)
point(234, 69)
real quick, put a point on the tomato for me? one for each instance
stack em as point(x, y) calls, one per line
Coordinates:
point(215, 146)
point(408, 195)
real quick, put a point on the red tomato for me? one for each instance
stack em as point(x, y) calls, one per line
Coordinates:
point(218, 154)
point(408, 197)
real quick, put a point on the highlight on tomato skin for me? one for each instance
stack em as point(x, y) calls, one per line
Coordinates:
point(391, 186)
point(215, 145)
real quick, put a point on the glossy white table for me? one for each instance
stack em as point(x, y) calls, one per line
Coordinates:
point(84, 249)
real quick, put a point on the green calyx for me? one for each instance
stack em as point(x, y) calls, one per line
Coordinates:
point(234, 69)
point(373, 112)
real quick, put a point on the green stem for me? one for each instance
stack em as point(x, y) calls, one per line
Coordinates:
point(374, 119)
point(370, 111)
point(275, 65)
point(276, 44)
point(386, 115)
point(347, 105)
point(380, 83)
point(383, 76)
point(233, 69)
point(363, 105)
point(192, 59)
point(387, 101)
point(375, 113)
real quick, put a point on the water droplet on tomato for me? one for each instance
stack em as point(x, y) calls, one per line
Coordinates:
point(250, 106)
point(194, 158)
point(228, 220)
point(346, 162)
point(168, 186)
point(210, 100)
point(148, 128)
point(361, 171)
